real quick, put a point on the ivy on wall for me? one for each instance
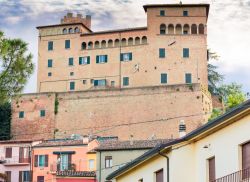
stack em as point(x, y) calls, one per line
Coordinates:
point(5, 120)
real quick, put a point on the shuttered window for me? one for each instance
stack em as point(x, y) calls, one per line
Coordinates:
point(84, 60)
point(40, 178)
point(162, 53)
point(72, 85)
point(246, 156)
point(101, 59)
point(211, 169)
point(8, 152)
point(42, 113)
point(71, 61)
point(50, 63)
point(185, 13)
point(108, 161)
point(21, 114)
point(125, 81)
point(159, 176)
point(126, 56)
point(8, 174)
point(162, 12)
point(164, 78)
point(185, 52)
point(188, 78)
point(67, 44)
point(41, 160)
point(100, 82)
point(50, 45)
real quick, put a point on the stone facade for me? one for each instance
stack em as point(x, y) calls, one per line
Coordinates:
point(142, 112)
point(144, 69)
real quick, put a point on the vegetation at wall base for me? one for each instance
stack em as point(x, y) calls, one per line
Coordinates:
point(5, 121)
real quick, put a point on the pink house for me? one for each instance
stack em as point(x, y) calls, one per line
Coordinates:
point(15, 160)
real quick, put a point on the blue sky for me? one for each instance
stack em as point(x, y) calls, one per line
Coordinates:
point(228, 26)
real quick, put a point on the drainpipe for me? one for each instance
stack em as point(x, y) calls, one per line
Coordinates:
point(100, 166)
point(167, 164)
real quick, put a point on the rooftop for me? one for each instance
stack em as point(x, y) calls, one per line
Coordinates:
point(60, 142)
point(128, 145)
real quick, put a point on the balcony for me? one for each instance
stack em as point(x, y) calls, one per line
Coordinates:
point(239, 176)
point(54, 168)
point(15, 161)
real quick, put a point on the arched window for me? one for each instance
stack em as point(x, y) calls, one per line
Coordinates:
point(193, 29)
point(97, 44)
point(103, 44)
point(162, 29)
point(130, 41)
point(178, 29)
point(70, 30)
point(84, 45)
point(117, 42)
point(137, 41)
point(201, 29)
point(77, 30)
point(65, 31)
point(186, 29)
point(124, 42)
point(110, 43)
point(90, 45)
point(144, 40)
point(170, 29)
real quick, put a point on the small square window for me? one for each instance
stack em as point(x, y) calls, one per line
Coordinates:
point(21, 114)
point(162, 12)
point(49, 74)
point(71, 73)
point(42, 113)
point(84, 82)
point(185, 13)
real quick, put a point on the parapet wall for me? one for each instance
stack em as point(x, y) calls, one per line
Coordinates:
point(142, 112)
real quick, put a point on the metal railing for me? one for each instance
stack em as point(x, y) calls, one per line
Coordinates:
point(239, 176)
point(63, 167)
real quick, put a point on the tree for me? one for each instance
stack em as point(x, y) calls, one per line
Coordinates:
point(15, 67)
point(5, 120)
point(3, 176)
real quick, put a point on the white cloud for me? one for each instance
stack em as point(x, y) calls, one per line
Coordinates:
point(13, 19)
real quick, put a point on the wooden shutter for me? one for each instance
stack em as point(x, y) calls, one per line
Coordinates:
point(58, 164)
point(211, 169)
point(159, 176)
point(21, 156)
point(20, 176)
point(246, 156)
point(8, 152)
point(40, 178)
point(69, 161)
point(80, 60)
point(121, 57)
point(106, 58)
point(97, 59)
point(88, 60)
point(46, 160)
point(130, 56)
point(36, 161)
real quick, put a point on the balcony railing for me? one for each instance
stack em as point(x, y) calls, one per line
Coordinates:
point(63, 167)
point(239, 176)
point(15, 160)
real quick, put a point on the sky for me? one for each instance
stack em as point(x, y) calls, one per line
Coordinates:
point(228, 26)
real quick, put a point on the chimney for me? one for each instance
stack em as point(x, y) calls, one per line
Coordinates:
point(182, 129)
point(79, 15)
point(131, 140)
point(85, 139)
point(69, 15)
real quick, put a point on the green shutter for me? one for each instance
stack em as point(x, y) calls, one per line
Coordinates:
point(97, 59)
point(80, 60)
point(164, 78)
point(188, 78)
point(121, 57)
point(50, 63)
point(106, 58)
point(162, 53)
point(186, 52)
point(130, 56)
point(88, 62)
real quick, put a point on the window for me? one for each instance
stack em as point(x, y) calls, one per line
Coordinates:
point(125, 81)
point(108, 162)
point(72, 85)
point(40, 178)
point(50, 45)
point(50, 63)
point(8, 152)
point(42, 113)
point(65, 162)
point(100, 82)
point(159, 176)
point(102, 59)
point(188, 78)
point(211, 169)
point(71, 73)
point(71, 61)
point(8, 176)
point(185, 52)
point(126, 56)
point(163, 29)
point(77, 30)
point(144, 40)
point(41, 161)
point(140, 180)
point(112, 83)
point(185, 32)
point(64, 31)
point(70, 30)
point(21, 114)
point(49, 74)
point(91, 164)
point(67, 44)
point(246, 156)
point(25, 176)
point(84, 82)
point(162, 53)
point(162, 12)
point(84, 60)
point(185, 13)
point(84, 46)
point(164, 78)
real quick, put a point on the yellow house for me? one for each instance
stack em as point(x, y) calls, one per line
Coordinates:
point(217, 151)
